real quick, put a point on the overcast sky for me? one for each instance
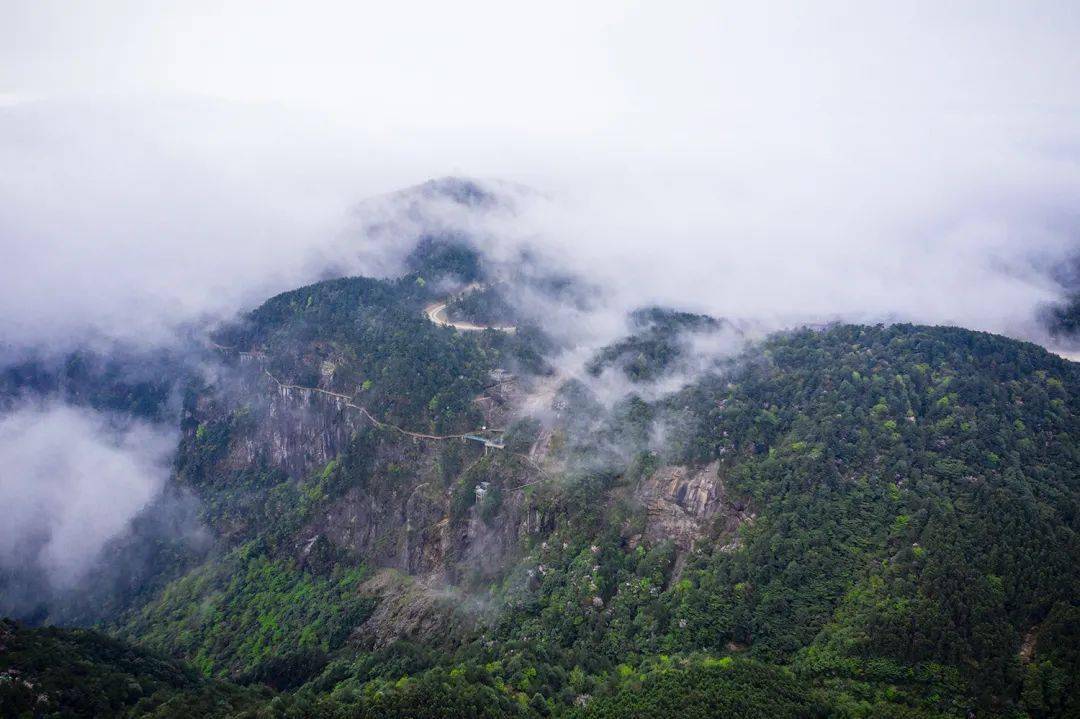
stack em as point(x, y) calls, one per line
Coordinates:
point(634, 72)
point(919, 161)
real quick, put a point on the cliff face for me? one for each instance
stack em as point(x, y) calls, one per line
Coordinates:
point(303, 429)
point(686, 505)
point(420, 505)
point(403, 528)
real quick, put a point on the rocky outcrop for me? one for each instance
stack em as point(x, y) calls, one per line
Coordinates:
point(401, 528)
point(685, 505)
point(294, 429)
point(398, 514)
point(401, 517)
point(305, 429)
point(483, 548)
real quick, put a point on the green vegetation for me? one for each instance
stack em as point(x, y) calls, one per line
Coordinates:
point(53, 672)
point(916, 508)
point(658, 341)
point(368, 339)
point(422, 376)
point(894, 527)
point(486, 306)
point(702, 689)
point(242, 614)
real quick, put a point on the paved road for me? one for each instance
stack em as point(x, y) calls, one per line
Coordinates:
point(436, 312)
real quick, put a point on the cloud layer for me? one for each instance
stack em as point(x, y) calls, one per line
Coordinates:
point(73, 479)
point(784, 164)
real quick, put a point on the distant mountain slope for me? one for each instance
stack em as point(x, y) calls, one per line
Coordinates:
point(52, 672)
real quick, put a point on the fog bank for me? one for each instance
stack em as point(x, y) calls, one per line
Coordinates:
point(782, 163)
point(72, 480)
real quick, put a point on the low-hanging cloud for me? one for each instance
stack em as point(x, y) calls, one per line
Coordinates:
point(72, 479)
point(112, 235)
point(828, 162)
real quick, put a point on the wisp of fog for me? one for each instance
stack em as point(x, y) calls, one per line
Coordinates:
point(71, 480)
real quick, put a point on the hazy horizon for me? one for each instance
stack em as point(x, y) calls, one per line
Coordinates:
point(790, 162)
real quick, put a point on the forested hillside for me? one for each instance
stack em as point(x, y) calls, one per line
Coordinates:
point(494, 360)
point(854, 521)
point(52, 672)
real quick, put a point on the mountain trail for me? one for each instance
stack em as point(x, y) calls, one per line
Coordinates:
point(347, 401)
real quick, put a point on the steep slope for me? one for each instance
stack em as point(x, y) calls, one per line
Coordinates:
point(80, 673)
point(394, 517)
point(889, 512)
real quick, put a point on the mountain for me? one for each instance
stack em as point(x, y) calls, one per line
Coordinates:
point(397, 517)
point(49, 672)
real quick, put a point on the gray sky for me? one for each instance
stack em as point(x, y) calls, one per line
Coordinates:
point(159, 161)
point(667, 75)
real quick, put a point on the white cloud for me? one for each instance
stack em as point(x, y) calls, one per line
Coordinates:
point(775, 161)
point(70, 482)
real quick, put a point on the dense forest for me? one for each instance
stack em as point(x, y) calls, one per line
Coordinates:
point(49, 672)
point(854, 521)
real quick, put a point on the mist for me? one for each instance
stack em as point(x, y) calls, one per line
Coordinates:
point(109, 233)
point(777, 165)
point(72, 480)
point(782, 165)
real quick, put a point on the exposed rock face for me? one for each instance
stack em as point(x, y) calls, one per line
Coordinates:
point(394, 521)
point(400, 518)
point(306, 429)
point(294, 429)
point(487, 547)
point(685, 505)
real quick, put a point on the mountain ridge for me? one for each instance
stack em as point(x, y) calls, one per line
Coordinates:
point(850, 520)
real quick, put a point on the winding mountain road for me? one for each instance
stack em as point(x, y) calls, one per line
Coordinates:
point(436, 312)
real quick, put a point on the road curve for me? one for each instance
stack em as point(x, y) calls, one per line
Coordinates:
point(436, 312)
